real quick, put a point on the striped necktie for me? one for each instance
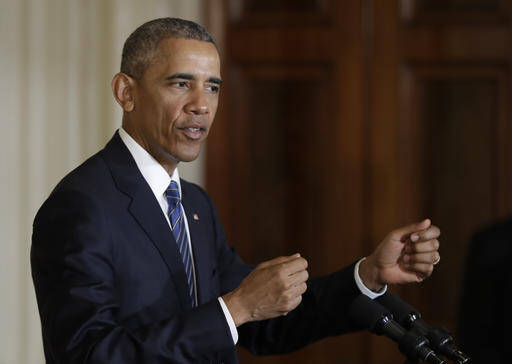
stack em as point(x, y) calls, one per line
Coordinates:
point(175, 213)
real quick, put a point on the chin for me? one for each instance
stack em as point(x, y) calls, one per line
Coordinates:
point(183, 152)
point(187, 157)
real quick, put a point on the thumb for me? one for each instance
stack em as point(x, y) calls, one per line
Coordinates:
point(404, 232)
point(277, 260)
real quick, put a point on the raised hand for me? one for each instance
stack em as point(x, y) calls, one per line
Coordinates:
point(273, 289)
point(406, 255)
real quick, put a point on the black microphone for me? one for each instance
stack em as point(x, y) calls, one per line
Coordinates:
point(440, 339)
point(377, 319)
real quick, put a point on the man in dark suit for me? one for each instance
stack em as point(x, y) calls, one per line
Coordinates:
point(130, 263)
point(485, 322)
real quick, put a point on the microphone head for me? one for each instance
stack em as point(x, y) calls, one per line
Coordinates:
point(404, 313)
point(368, 314)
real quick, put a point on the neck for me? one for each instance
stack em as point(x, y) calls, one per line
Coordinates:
point(167, 161)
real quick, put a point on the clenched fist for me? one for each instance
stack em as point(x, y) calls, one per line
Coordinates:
point(273, 289)
point(406, 255)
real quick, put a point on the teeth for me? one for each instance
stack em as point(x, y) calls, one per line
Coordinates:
point(194, 129)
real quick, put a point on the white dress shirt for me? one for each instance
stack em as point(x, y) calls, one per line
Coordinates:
point(158, 180)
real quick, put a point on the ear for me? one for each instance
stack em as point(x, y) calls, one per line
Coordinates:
point(123, 90)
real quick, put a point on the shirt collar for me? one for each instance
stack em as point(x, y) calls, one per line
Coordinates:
point(155, 175)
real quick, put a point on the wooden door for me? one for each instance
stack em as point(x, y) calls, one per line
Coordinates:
point(444, 66)
point(341, 120)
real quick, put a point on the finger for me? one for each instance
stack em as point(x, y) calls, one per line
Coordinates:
point(432, 232)
point(296, 291)
point(404, 232)
point(298, 278)
point(422, 269)
point(424, 258)
point(423, 247)
point(278, 260)
point(291, 304)
point(293, 266)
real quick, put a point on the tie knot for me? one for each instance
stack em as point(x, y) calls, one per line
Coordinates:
point(172, 193)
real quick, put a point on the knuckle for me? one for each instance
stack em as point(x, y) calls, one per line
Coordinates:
point(289, 307)
point(285, 306)
point(274, 270)
point(282, 265)
point(276, 267)
point(298, 300)
point(282, 286)
point(281, 275)
point(291, 304)
point(287, 297)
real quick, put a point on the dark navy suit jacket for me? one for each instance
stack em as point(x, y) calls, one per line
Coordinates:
point(485, 322)
point(111, 286)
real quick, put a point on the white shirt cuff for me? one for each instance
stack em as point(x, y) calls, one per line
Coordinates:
point(229, 319)
point(365, 290)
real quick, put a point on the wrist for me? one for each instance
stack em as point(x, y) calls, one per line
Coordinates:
point(236, 308)
point(369, 274)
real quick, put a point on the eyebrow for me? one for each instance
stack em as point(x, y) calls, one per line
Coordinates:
point(188, 76)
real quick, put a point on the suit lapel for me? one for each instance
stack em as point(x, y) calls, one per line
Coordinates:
point(146, 211)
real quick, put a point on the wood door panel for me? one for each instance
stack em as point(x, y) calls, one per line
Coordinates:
point(454, 163)
point(455, 12)
point(267, 45)
point(447, 44)
point(278, 12)
point(285, 6)
point(286, 138)
point(457, 5)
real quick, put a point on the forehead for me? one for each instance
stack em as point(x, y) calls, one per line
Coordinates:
point(178, 55)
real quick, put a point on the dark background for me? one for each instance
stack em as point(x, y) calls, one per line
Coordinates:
point(342, 120)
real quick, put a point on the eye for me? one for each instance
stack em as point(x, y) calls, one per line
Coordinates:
point(180, 84)
point(213, 88)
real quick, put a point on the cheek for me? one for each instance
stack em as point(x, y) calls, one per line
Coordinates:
point(214, 103)
point(172, 108)
point(167, 115)
point(213, 108)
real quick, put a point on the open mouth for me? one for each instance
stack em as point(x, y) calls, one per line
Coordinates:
point(193, 133)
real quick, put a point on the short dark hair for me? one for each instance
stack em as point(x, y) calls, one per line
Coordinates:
point(141, 46)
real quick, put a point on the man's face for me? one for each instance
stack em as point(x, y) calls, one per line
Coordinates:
point(175, 100)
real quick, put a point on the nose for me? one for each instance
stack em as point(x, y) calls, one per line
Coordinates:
point(198, 104)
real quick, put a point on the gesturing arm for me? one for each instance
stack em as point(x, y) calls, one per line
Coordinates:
point(278, 287)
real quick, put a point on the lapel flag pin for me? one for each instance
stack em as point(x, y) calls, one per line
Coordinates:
point(196, 217)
